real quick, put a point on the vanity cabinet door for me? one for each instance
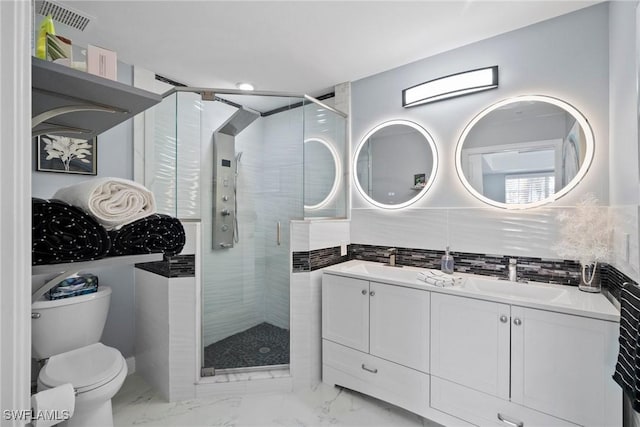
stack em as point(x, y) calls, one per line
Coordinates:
point(399, 320)
point(345, 311)
point(470, 343)
point(562, 365)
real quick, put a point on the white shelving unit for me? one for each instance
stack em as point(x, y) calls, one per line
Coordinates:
point(68, 101)
point(78, 104)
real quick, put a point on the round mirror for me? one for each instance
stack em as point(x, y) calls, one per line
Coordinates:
point(395, 164)
point(321, 173)
point(524, 152)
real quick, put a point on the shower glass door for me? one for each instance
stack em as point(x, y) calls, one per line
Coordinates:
point(245, 287)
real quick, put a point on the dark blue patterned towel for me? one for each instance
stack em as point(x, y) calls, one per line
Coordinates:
point(627, 373)
point(63, 233)
point(156, 233)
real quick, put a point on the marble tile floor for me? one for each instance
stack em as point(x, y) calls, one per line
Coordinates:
point(137, 404)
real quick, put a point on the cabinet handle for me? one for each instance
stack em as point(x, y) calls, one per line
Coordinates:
point(511, 421)
point(372, 293)
point(364, 292)
point(373, 371)
point(504, 319)
point(517, 321)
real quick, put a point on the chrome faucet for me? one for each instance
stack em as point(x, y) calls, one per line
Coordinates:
point(392, 257)
point(513, 270)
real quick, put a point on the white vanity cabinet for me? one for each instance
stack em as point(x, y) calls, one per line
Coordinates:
point(492, 360)
point(470, 343)
point(390, 322)
point(376, 340)
point(345, 311)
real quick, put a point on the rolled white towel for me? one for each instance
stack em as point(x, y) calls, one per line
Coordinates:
point(113, 202)
point(437, 278)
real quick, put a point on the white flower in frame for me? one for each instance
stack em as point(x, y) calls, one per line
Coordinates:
point(67, 150)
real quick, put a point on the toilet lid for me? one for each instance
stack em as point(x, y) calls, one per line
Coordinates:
point(85, 368)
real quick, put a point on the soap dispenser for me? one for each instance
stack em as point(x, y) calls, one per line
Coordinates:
point(446, 263)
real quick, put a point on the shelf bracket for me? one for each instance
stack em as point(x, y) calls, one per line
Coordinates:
point(51, 284)
point(54, 130)
point(42, 117)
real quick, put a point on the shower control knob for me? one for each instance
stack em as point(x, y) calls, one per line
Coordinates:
point(225, 227)
point(225, 212)
point(225, 198)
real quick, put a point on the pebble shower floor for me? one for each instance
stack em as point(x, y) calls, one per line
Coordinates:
point(261, 345)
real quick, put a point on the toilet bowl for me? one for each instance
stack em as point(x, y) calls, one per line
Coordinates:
point(66, 334)
point(96, 373)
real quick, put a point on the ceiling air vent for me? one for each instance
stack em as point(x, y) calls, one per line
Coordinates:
point(63, 14)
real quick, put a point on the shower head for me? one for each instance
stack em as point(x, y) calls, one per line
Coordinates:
point(238, 157)
point(238, 122)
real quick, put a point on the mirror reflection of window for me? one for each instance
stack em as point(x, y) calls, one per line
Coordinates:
point(522, 152)
point(528, 188)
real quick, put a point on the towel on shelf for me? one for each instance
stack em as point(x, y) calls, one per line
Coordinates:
point(153, 234)
point(627, 373)
point(113, 202)
point(63, 233)
point(437, 278)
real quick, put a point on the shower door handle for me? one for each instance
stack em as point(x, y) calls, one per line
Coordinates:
point(278, 233)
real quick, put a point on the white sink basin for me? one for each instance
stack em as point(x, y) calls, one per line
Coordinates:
point(529, 291)
point(385, 271)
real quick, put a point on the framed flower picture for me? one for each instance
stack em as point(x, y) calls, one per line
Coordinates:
point(67, 155)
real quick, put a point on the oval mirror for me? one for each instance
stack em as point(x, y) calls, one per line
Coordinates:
point(321, 173)
point(524, 152)
point(395, 164)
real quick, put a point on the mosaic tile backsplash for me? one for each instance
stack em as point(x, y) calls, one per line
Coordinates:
point(564, 272)
point(535, 269)
point(317, 259)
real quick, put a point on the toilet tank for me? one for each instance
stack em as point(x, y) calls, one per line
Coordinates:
point(66, 324)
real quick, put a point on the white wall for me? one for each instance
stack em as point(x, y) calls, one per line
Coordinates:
point(566, 57)
point(623, 136)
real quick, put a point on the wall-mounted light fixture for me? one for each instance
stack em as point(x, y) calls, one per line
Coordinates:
point(451, 86)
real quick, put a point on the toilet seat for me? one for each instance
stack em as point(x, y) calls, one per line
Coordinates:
point(86, 368)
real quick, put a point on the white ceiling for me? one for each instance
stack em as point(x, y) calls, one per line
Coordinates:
point(295, 46)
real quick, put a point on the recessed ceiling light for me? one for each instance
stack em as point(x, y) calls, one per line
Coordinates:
point(244, 86)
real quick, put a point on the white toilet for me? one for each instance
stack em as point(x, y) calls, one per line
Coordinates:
point(67, 332)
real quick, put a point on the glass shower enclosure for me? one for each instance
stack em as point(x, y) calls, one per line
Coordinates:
point(245, 166)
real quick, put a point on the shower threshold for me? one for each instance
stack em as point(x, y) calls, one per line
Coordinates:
point(209, 372)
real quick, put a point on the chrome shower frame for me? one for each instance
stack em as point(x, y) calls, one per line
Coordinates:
point(208, 94)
